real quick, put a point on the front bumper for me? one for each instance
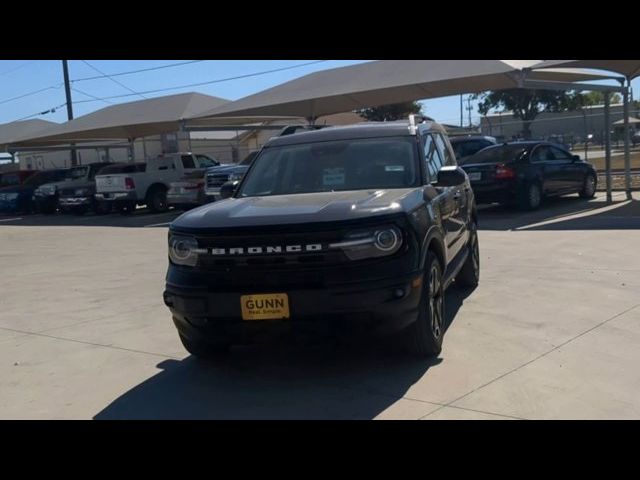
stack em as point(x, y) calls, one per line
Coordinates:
point(375, 307)
point(185, 198)
point(75, 201)
point(116, 196)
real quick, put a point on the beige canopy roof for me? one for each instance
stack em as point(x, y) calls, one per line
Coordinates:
point(10, 132)
point(127, 120)
point(632, 120)
point(628, 68)
point(385, 82)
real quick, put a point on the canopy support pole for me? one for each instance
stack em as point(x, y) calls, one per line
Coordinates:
point(607, 146)
point(627, 148)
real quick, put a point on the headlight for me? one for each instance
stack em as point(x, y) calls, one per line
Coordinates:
point(184, 250)
point(46, 190)
point(10, 196)
point(82, 192)
point(235, 177)
point(373, 243)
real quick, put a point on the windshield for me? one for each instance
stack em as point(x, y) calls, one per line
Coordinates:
point(46, 177)
point(9, 179)
point(498, 154)
point(76, 173)
point(206, 162)
point(359, 164)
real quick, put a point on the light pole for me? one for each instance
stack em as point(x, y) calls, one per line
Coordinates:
point(67, 90)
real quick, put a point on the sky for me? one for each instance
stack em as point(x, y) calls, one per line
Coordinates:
point(39, 83)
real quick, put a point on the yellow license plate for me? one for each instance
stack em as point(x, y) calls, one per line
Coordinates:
point(273, 306)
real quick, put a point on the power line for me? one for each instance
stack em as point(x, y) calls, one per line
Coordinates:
point(89, 95)
point(112, 79)
point(212, 81)
point(17, 68)
point(51, 110)
point(131, 72)
point(30, 93)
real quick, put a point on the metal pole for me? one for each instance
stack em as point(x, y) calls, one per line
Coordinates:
point(461, 114)
point(627, 154)
point(607, 146)
point(67, 90)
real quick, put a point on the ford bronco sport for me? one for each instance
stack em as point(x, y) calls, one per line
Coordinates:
point(343, 228)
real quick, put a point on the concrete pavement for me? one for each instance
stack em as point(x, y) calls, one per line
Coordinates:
point(551, 332)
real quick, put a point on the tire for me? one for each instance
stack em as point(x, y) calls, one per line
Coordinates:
point(202, 350)
point(469, 274)
point(530, 197)
point(424, 336)
point(126, 208)
point(589, 186)
point(157, 200)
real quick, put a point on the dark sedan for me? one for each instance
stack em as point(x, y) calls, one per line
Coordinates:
point(523, 173)
point(19, 198)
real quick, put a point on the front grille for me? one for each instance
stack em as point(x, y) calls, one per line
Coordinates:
point(215, 180)
point(67, 192)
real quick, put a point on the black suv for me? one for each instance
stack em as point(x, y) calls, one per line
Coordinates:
point(339, 229)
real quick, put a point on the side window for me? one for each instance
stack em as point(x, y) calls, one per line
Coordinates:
point(187, 161)
point(444, 151)
point(560, 154)
point(542, 154)
point(432, 157)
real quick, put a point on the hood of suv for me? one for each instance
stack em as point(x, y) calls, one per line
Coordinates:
point(296, 209)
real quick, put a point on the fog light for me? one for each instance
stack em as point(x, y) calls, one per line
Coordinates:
point(399, 292)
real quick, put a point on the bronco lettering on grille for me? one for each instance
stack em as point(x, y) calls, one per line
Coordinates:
point(311, 247)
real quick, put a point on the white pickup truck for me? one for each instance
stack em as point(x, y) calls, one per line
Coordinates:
point(147, 183)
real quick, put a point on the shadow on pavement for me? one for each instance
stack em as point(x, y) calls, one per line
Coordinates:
point(563, 213)
point(138, 219)
point(351, 381)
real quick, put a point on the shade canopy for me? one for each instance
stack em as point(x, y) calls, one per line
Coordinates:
point(632, 121)
point(127, 120)
point(385, 82)
point(10, 132)
point(628, 68)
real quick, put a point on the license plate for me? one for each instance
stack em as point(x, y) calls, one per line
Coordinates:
point(475, 176)
point(273, 306)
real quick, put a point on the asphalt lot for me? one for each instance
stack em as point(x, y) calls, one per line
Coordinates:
point(551, 332)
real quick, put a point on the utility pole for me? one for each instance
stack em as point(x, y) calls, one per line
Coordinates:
point(67, 90)
point(461, 114)
point(469, 108)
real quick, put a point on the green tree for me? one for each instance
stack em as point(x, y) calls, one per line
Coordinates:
point(388, 113)
point(527, 104)
point(597, 98)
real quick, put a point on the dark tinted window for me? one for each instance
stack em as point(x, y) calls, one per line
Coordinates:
point(123, 168)
point(498, 154)
point(9, 179)
point(542, 153)
point(467, 148)
point(358, 164)
point(432, 157)
point(48, 176)
point(205, 162)
point(444, 150)
point(560, 154)
point(187, 161)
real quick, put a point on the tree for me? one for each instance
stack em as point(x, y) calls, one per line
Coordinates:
point(597, 98)
point(526, 104)
point(388, 113)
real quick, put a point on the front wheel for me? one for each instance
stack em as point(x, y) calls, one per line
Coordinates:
point(424, 336)
point(157, 200)
point(469, 274)
point(589, 186)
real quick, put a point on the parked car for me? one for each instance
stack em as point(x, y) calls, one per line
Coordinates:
point(343, 229)
point(76, 193)
point(466, 146)
point(218, 176)
point(20, 198)
point(15, 177)
point(149, 184)
point(525, 172)
point(635, 138)
point(188, 192)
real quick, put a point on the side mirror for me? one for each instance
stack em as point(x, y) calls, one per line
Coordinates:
point(228, 189)
point(450, 177)
point(576, 158)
